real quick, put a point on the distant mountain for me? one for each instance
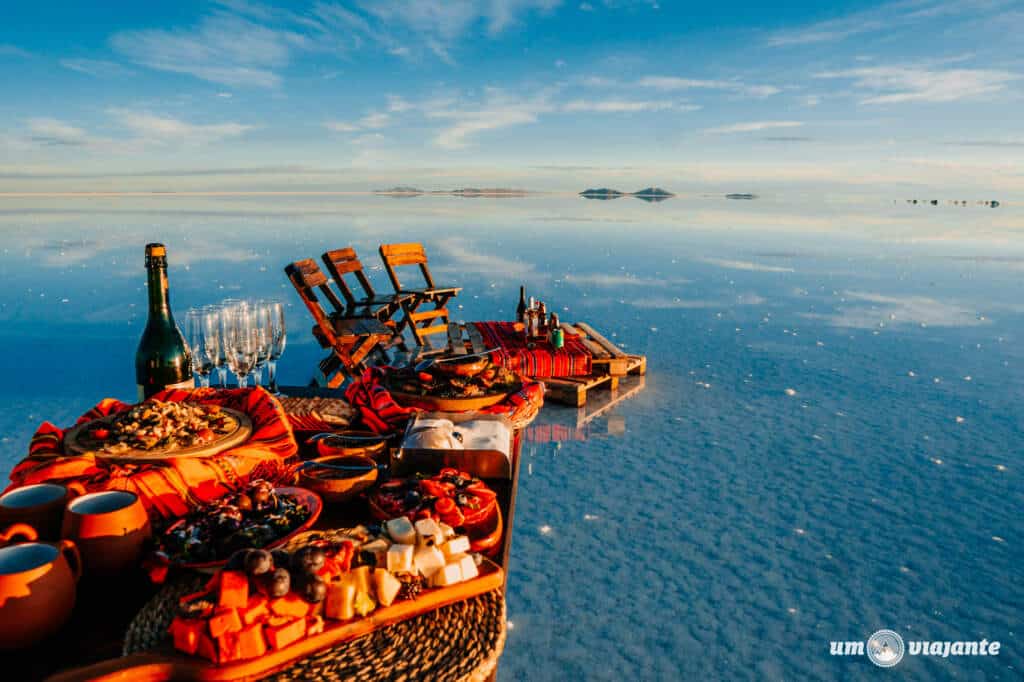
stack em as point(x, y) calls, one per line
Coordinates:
point(486, 192)
point(602, 193)
point(740, 196)
point(653, 194)
point(400, 190)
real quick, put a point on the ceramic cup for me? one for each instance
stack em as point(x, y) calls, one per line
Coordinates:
point(110, 529)
point(37, 587)
point(40, 506)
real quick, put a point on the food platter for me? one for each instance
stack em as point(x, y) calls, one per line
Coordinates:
point(451, 404)
point(299, 495)
point(79, 440)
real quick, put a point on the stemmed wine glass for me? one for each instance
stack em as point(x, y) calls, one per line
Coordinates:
point(277, 335)
point(203, 346)
point(262, 335)
point(241, 341)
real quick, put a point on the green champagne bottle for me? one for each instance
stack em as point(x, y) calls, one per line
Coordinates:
point(163, 359)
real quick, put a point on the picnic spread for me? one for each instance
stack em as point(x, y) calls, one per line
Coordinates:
point(258, 531)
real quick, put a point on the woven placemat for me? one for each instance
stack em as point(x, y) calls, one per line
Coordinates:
point(459, 643)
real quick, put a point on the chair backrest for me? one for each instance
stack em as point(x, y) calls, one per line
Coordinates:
point(397, 255)
point(306, 276)
point(341, 262)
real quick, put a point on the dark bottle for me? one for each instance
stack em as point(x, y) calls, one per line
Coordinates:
point(542, 319)
point(521, 308)
point(163, 359)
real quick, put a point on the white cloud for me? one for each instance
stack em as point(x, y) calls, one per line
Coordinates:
point(341, 126)
point(498, 110)
point(223, 48)
point(752, 126)
point(152, 128)
point(375, 121)
point(623, 105)
point(8, 50)
point(54, 132)
point(895, 84)
point(95, 67)
point(745, 265)
point(673, 83)
point(397, 104)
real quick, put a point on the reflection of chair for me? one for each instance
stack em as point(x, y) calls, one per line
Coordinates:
point(382, 307)
point(351, 339)
point(433, 321)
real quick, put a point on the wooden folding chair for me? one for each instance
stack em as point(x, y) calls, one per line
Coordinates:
point(341, 262)
point(429, 322)
point(351, 339)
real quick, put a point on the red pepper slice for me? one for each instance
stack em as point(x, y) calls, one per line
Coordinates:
point(445, 506)
point(101, 433)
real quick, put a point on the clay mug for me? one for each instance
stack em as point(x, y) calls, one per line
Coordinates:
point(40, 506)
point(37, 587)
point(110, 528)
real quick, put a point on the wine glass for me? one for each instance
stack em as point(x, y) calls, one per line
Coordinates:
point(240, 341)
point(278, 338)
point(204, 349)
point(261, 338)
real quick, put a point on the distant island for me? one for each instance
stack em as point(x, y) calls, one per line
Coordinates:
point(408, 191)
point(602, 193)
point(647, 194)
point(741, 196)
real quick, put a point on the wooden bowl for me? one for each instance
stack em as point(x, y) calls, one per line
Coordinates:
point(353, 443)
point(451, 404)
point(468, 367)
point(339, 489)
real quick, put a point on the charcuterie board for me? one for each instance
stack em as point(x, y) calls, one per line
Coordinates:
point(79, 440)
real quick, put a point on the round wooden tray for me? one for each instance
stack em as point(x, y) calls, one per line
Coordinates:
point(72, 446)
point(451, 404)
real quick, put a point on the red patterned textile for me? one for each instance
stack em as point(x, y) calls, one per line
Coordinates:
point(171, 487)
point(543, 360)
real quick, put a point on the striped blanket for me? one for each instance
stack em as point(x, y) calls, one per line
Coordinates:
point(542, 360)
point(172, 487)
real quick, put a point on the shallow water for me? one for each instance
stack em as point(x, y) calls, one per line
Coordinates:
point(827, 442)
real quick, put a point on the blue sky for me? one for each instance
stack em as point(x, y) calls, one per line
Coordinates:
point(845, 96)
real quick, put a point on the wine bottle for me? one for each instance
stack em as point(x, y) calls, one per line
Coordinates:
point(521, 308)
point(163, 359)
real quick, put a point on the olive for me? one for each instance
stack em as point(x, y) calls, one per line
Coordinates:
point(243, 502)
point(313, 589)
point(258, 562)
point(280, 583)
point(412, 498)
point(282, 559)
point(308, 560)
point(238, 561)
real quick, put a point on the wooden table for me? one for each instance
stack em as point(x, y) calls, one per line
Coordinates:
point(104, 608)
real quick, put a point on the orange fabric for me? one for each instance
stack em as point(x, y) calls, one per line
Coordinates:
point(170, 488)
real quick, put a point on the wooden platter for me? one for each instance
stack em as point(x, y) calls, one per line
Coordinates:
point(75, 443)
point(166, 664)
point(453, 404)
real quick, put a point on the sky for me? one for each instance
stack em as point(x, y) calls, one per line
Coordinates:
point(892, 98)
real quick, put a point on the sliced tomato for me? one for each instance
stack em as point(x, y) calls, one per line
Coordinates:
point(445, 506)
point(101, 433)
point(212, 409)
point(206, 435)
point(436, 488)
point(455, 519)
point(480, 489)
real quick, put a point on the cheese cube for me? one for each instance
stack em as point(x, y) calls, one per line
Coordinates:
point(467, 567)
point(447, 531)
point(341, 597)
point(455, 546)
point(400, 558)
point(401, 530)
point(386, 586)
point(428, 560)
point(429, 532)
point(447, 575)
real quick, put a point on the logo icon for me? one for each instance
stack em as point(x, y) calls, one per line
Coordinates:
point(885, 648)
